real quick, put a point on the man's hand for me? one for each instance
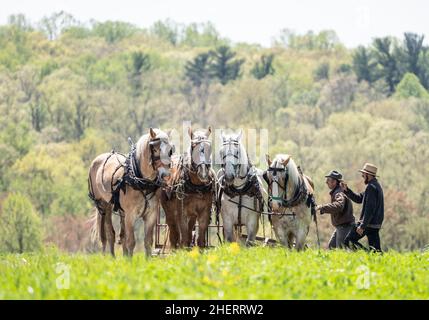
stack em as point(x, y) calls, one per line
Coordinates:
point(318, 207)
point(360, 231)
point(343, 186)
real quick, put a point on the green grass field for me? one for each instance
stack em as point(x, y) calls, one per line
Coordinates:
point(227, 272)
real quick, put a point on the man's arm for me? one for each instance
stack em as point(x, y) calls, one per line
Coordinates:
point(355, 197)
point(336, 206)
point(370, 205)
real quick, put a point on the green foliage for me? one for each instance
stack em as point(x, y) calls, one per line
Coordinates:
point(53, 176)
point(113, 31)
point(20, 226)
point(228, 272)
point(264, 67)
point(17, 136)
point(52, 26)
point(322, 71)
point(410, 86)
point(65, 100)
point(167, 30)
point(325, 40)
point(203, 34)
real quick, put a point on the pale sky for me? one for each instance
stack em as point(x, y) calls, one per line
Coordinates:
point(355, 21)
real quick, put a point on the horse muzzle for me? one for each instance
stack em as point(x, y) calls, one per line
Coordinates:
point(164, 174)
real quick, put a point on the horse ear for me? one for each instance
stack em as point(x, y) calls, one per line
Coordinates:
point(169, 133)
point(152, 133)
point(209, 130)
point(267, 157)
point(191, 134)
point(222, 136)
point(286, 161)
point(239, 135)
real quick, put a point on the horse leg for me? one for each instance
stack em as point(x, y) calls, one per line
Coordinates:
point(252, 225)
point(101, 222)
point(280, 232)
point(130, 241)
point(122, 237)
point(203, 223)
point(228, 229)
point(182, 221)
point(290, 238)
point(189, 229)
point(149, 226)
point(110, 231)
point(300, 238)
point(172, 222)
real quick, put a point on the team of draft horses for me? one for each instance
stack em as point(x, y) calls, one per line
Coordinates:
point(152, 175)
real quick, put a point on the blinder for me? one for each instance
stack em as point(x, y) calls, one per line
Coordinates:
point(203, 155)
point(157, 143)
point(265, 176)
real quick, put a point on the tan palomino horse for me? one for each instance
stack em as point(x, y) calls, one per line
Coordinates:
point(290, 193)
point(111, 175)
point(191, 195)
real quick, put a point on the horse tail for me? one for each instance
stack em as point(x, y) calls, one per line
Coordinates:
point(94, 222)
point(97, 226)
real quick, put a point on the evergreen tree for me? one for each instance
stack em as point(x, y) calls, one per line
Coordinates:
point(386, 58)
point(363, 65)
point(264, 67)
point(198, 71)
point(223, 66)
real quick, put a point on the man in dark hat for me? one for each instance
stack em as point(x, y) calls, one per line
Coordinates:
point(372, 215)
point(340, 208)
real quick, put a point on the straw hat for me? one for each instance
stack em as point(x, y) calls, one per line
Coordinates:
point(369, 168)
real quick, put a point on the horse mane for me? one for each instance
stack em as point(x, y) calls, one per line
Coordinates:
point(176, 169)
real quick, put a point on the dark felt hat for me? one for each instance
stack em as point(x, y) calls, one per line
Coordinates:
point(334, 174)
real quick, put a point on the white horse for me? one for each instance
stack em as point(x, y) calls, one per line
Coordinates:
point(290, 194)
point(240, 190)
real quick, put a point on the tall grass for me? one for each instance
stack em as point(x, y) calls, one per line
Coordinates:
point(227, 272)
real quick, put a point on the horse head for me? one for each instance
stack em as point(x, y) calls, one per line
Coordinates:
point(234, 158)
point(200, 152)
point(282, 177)
point(154, 151)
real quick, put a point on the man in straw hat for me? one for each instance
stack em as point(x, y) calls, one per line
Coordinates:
point(372, 215)
point(340, 208)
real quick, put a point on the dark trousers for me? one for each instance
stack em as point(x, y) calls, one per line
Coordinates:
point(339, 235)
point(352, 239)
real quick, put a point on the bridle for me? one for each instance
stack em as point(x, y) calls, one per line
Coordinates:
point(202, 160)
point(300, 190)
point(276, 180)
point(237, 165)
point(159, 142)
